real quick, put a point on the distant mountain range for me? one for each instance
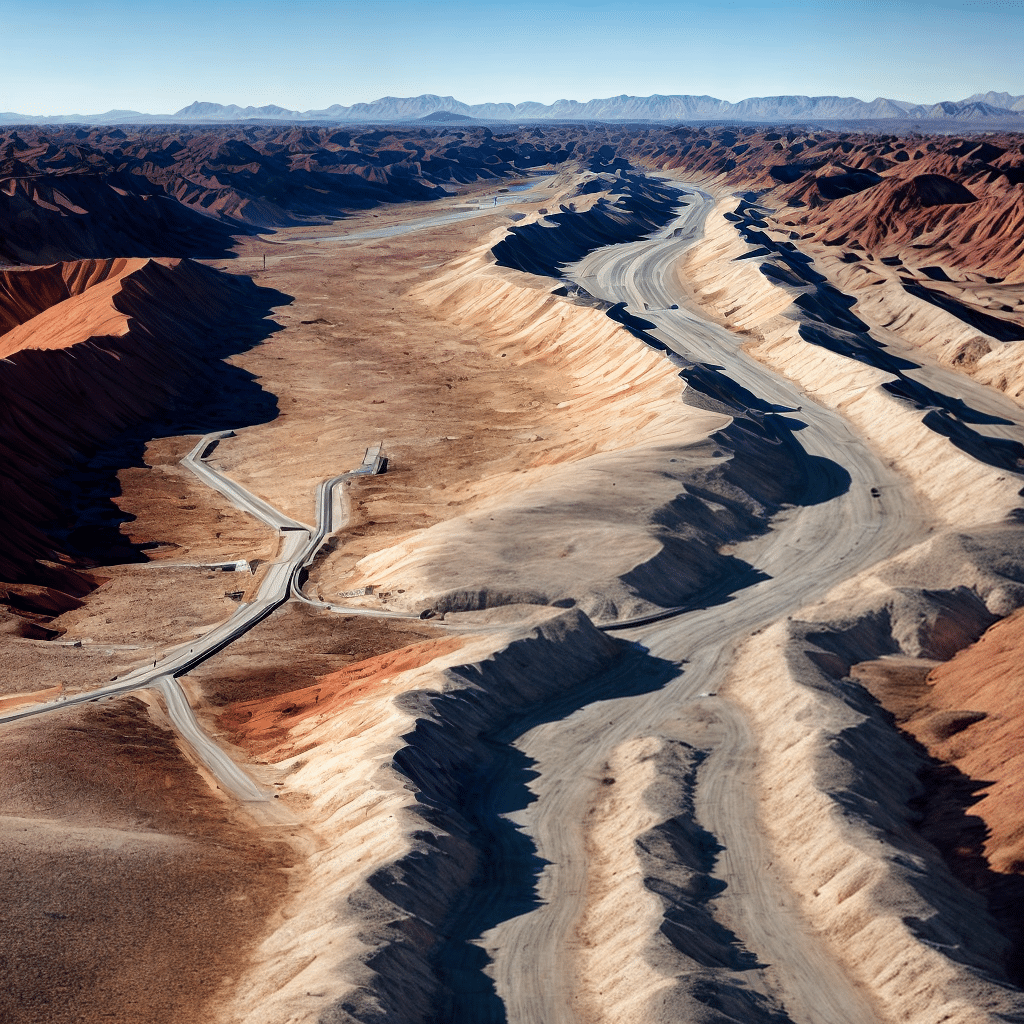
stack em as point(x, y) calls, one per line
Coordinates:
point(981, 107)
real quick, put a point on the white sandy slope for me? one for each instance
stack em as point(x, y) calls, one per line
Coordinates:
point(355, 812)
point(621, 916)
point(921, 325)
point(747, 301)
point(580, 517)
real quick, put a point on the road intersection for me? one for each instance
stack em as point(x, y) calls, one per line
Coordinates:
point(299, 546)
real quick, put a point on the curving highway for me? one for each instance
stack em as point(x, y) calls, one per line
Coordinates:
point(300, 544)
point(327, 503)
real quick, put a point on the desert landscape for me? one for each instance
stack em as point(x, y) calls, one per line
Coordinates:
point(550, 572)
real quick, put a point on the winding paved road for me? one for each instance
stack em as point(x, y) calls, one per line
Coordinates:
point(329, 501)
point(300, 544)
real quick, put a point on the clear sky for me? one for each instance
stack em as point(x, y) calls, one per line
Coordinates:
point(159, 55)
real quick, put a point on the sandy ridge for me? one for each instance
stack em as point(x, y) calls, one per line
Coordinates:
point(946, 477)
point(774, 661)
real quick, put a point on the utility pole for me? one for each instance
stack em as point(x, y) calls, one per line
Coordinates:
point(264, 261)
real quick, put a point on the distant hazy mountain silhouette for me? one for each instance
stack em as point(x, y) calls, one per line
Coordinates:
point(983, 107)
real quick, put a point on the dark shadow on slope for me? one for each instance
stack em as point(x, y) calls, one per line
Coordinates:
point(82, 414)
point(734, 576)
point(886, 771)
point(642, 206)
point(225, 397)
point(993, 326)
point(998, 452)
point(946, 822)
point(678, 857)
point(636, 325)
point(859, 346)
point(711, 381)
point(106, 214)
point(941, 815)
point(923, 397)
point(755, 425)
point(505, 884)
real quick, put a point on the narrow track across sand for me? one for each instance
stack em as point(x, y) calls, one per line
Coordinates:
point(810, 548)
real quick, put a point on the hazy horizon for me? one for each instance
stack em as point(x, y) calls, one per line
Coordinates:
point(307, 55)
point(443, 96)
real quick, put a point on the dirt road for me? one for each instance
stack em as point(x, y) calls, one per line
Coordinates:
point(821, 541)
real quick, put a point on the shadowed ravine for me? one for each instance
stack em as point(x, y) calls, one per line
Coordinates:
point(505, 885)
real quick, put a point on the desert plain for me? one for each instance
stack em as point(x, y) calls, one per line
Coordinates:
point(547, 574)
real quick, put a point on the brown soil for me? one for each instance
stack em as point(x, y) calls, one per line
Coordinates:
point(114, 850)
point(969, 713)
point(30, 665)
point(263, 725)
point(287, 651)
point(359, 361)
point(182, 519)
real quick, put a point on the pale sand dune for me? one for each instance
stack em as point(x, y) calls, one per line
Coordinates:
point(621, 915)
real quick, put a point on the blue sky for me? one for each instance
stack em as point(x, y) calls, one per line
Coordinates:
point(159, 55)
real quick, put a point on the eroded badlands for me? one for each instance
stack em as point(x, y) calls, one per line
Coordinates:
point(668, 673)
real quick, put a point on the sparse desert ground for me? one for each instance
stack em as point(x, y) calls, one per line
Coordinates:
point(670, 672)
